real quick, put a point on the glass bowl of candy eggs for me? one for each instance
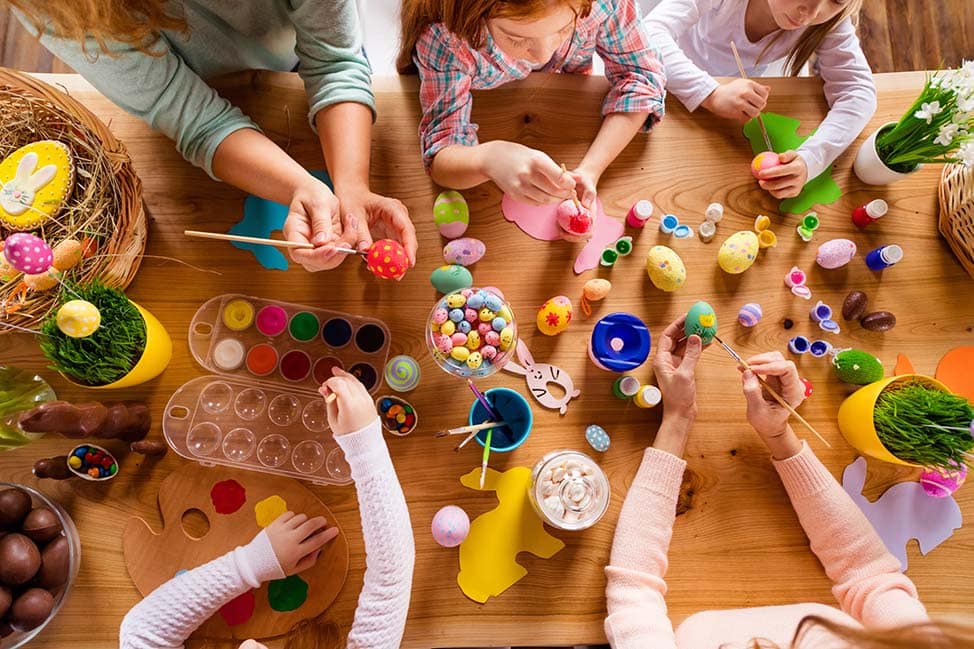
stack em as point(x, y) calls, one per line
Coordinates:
point(471, 333)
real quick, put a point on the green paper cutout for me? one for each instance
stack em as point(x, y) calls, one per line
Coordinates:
point(783, 133)
point(287, 594)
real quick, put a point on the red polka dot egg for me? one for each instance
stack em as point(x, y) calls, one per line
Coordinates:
point(387, 259)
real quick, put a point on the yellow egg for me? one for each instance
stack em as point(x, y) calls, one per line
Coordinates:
point(456, 301)
point(507, 338)
point(448, 328)
point(475, 360)
point(738, 252)
point(554, 315)
point(78, 318)
point(665, 268)
point(473, 340)
point(486, 315)
point(460, 353)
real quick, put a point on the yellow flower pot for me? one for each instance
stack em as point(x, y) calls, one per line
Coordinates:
point(856, 417)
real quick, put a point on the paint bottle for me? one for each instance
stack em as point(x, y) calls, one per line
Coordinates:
point(625, 387)
point(808, 226)
point(648, 396)
point(668, 223)
point(799, 345)
point(707, 230)
point(884, 257)
point(714, 212)
point(821, 311)
point(870, 212)
point(639, 214)
point(608, 257)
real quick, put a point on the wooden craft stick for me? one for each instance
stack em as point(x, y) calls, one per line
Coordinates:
point(740, 67)
point(777, 397)
point(279, 243)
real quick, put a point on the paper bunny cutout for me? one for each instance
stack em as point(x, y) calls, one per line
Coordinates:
point(539, 375)
point(17, 195)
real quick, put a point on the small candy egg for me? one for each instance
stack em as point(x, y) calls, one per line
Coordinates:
point(498, 323)
point(464, 327)
point(475, 360)
point(878, 321)
point(451, 214)
point(762, 161)
point(460, 353)
point(702, 321)
point(665, 268)
point(750, 314)
point(456, 301)
point(440, 316)
point(467, 292)
point(597, 438)
point(473, 340)
point(470, 315)
point(835, 253)
point(495, 303)
point(448, 328)
point(450, 527)
point(738, 252)
point(854, 305)
point(456, 315)
point(466, 251)
point(554, 315)
point(476, 301)
point(489, 352)
point(507, 339)
point(492, 338)
point(486, 315)
point(78, 319)
point(483, 328)
point(387, 259)
point(443, 343)
point(459, 339)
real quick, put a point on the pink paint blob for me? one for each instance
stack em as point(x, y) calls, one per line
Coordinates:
point(271, 320)
point(228, 496)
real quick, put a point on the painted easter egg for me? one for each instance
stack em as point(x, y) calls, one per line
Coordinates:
point(387, 259)
point(701, 320)
point(573, 218)
point(67, 254)
point(452, 277)
point(854, 305)
point(451, 214)
point(738, 252)
point(665, 268)
point(941, 485)
point(596, 289)
point(857, 367)
point(42, 281)
point(835, 253)
point(597, 438)
point(750, 314)
point(78, 318)
point(450, 526)
point(36, 181)
point(554, 315)
point(402, 373)
point(27, 253)
point(466, 251)
point(762, 161)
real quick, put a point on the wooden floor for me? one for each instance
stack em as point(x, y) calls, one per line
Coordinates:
point(896, 35)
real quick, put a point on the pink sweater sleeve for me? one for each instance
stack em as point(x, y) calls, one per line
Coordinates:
point(635, 588)
point(866, 578)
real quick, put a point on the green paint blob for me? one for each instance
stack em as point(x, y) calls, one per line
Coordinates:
point(304, 326)
point(287, 594)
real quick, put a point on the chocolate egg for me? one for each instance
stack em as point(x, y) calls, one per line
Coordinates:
point(854, 305)
point(55, 561)
point(14, 506)
point(835, 253)
point(665, 268)
point(19, 559)
point(738, 252)
point(31, 609)
point(41, 525)
point(878, 321)
point(466, 251)
point(6, 598)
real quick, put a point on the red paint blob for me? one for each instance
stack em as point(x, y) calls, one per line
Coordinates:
point(239, 609)
point(323, 368)
point(228, 496)
point(295, 365)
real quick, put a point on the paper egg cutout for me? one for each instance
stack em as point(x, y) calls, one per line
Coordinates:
point(750, 314)
point(451, 214)
point(28, 254)
point(387, 259)
point(738, 252)
point(78, 319)
point(702, 321)
point(762, 161)
point(555, 315)
point(450, 527)
point(453, 277)
point(597, 438)
point(36, 181)
point(465, 252)
point(941, 485)
point(573, 218)
point(665, 268)
point(835, 253)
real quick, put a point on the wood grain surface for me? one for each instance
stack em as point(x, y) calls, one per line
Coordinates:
point(736, 541)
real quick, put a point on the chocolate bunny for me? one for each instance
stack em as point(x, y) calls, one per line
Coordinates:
point(539, 375)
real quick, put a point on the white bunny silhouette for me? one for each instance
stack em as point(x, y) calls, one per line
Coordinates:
point(539, 375)
point(17, 195)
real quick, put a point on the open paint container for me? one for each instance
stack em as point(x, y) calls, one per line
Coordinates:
point(514, 411)
point(620, 342)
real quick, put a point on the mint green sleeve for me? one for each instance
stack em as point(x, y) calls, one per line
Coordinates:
point(162, 90)
point(332, 59)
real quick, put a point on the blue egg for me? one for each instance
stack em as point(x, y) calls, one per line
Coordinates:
point(498, 324)
point(456, 315)
point(464, 327)
point(475, 301)
point(493, 302)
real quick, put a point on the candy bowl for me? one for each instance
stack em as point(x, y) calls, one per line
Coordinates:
point(471, 332)
point(569, 490)
point(49, 527)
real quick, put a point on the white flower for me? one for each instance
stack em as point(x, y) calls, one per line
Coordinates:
point(965, 104)
point(966, 154)
point(946, 135)
point(928, 110)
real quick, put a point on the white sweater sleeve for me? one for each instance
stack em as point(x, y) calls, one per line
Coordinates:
point(380, 616)
point(851, 95)
point(666, 23)
point(170, 613)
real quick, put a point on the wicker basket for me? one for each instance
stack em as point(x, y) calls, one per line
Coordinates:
point(957, 212)
point(105, 206)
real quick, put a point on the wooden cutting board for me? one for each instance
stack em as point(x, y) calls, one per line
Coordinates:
point(155, 557)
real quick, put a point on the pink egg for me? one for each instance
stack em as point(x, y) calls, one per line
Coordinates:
point(762, 161)
point(573, 218)
point(440, 316)
point(450, 526)
point(459, 339)
point(443, 343)
point(484, 328)
point(467, 292)
point(489, 352)
point(835, 253)
point(492, 338)
point(941, 485)
point(28, 254)
point(470, 315)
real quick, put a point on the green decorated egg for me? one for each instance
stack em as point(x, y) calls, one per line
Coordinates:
point(857, 367)
point(701, 320)
point(738, 252)
point(451, 278)
point(665, 268)
point(451, 214)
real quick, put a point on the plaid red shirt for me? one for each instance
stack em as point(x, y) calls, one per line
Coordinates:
point(449, 68)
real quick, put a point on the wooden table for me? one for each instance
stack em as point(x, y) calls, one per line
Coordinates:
point(736, 543)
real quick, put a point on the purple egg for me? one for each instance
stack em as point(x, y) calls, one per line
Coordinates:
point(28, 254)
point(835, 253)
point(465, 252)
point(750, 314)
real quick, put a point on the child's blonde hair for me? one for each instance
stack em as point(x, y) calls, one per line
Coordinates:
point(133, 22)
point(468, 19)
point(925, 635)
point(812, 37)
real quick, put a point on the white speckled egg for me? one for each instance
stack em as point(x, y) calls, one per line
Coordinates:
point(738, 252)
point(835, 253)
point(465, 252)
point(665, 268)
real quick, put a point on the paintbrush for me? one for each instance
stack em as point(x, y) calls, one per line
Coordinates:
point(777, 397)
point(483, 463)
point(578, 206)
point(483, 401)
point(470, 429)
point(740, 66)
point(279, 243)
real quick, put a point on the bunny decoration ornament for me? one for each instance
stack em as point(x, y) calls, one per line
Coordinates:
point(35, 181)
point(539, 375)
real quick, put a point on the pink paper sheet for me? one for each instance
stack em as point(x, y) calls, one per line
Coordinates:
point(541, 223)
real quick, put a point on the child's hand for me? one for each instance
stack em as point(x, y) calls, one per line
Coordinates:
point(739, 100)
point(297, 540)
point(766, 415)
point(372, 216)
point(585, 188)
point(527, 175)
point(353, 409)
point(313, 217)
point(674, 366)
point(787, 179)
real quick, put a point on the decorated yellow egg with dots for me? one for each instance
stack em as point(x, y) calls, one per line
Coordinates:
point(665, 268)
point(37, 179)
point(738, 252)
point(78, 319)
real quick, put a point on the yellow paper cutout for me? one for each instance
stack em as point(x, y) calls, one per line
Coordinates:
point(488, 556)
point(268, 509)
point(43, 195)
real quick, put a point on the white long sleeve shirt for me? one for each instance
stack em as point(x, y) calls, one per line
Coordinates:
point(694, 36)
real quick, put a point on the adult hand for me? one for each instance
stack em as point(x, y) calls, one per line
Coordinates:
point(297, 540)
point(313, 217)
point(739, 100)
point(527, 175)
point(353, 409)
point(372, 216)
point(767, 416)
point(787, 179)
point(674, 366)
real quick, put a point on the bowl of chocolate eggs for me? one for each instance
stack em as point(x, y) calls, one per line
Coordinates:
point(40, 553)
point(471, 332)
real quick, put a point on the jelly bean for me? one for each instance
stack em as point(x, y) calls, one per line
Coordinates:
point(74, 462)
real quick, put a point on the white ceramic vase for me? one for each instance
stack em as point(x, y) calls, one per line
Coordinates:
point(870, 168)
